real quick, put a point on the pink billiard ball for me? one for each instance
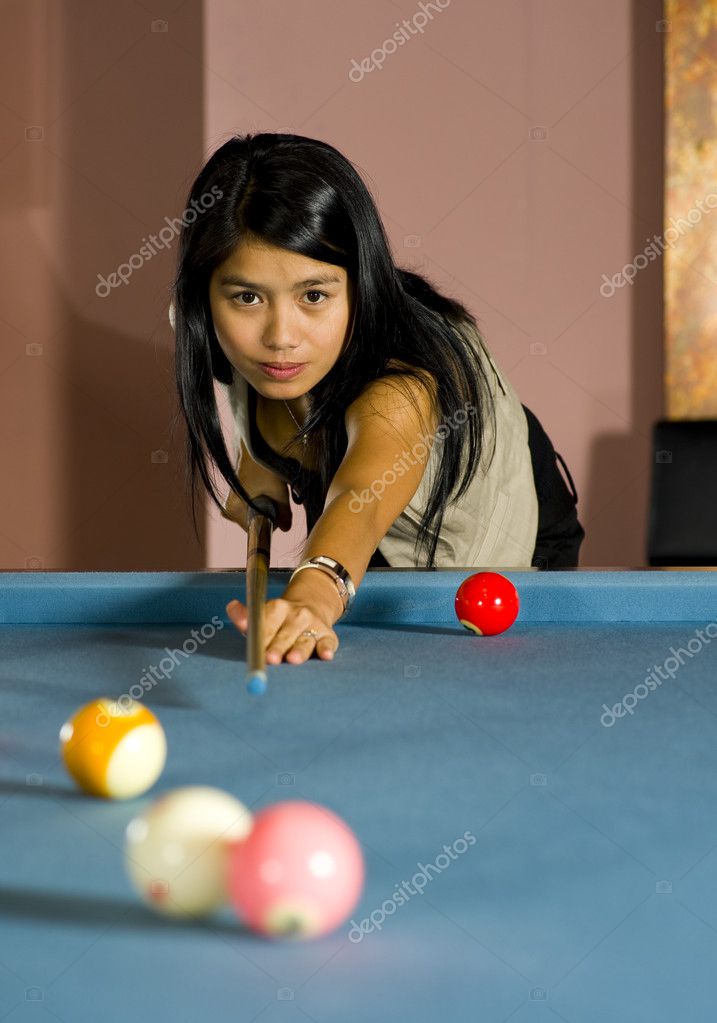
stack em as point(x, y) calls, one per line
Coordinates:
point(487, 603)
point(299, 873)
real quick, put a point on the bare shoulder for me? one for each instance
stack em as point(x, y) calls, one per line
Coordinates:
point(411, 381)
point(406, 399)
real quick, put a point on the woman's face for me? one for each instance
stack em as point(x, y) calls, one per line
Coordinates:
point(270, 305)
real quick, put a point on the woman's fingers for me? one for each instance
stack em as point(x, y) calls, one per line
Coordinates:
point(285, 625)
point(325, 644)
point(298, 647)
point(237, 614)
point(235, 510)
point(283, 521)
point(291, 621)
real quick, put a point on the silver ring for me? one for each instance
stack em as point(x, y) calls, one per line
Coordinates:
point(310, 632)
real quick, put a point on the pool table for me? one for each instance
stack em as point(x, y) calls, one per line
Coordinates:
point(537, 809)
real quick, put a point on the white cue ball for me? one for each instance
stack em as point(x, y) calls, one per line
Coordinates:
point(176, 849)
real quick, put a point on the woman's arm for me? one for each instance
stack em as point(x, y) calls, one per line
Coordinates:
point(384, 430)
point(388, 427)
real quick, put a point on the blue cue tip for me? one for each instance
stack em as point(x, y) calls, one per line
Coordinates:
point(257, 683)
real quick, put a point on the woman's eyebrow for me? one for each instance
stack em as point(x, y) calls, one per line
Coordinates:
point(240, 282)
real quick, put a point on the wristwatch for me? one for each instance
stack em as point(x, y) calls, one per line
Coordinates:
point(331, 567)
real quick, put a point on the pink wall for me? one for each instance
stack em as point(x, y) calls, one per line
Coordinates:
point(93, 155)
point(514, 151)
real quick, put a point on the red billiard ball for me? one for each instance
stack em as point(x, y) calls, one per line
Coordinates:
point(487, 603)
point(298, 874)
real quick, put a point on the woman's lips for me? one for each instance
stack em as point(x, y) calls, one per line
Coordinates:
point(283, 370)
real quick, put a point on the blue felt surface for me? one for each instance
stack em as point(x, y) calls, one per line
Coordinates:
point(588, 896)
point(403, 596)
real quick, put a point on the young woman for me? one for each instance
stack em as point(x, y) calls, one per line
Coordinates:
point(354, 384)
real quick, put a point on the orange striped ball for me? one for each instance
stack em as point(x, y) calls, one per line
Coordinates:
point(113, 750)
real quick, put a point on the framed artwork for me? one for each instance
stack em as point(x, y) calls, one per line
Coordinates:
point(690, 230)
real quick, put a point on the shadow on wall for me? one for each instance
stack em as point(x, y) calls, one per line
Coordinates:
point(114, 100)
point(125, 494)
point(611, 526)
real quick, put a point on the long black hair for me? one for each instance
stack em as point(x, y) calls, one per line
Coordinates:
point(303, 195)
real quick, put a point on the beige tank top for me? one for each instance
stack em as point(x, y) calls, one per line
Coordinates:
point(495, 523)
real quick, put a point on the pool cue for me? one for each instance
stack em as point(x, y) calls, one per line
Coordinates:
point(258, 553)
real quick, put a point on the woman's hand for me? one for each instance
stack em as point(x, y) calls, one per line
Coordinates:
point(284, 622)
point(235, 509)
point(256, 480)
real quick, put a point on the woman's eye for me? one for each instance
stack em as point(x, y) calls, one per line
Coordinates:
point(252, 294)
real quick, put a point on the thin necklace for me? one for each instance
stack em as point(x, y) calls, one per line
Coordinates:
point(304, 439)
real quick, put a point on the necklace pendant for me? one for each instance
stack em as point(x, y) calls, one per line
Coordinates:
point(304, 439)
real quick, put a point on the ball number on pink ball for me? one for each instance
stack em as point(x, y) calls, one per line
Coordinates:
point(487, 603)
point(300, 872)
